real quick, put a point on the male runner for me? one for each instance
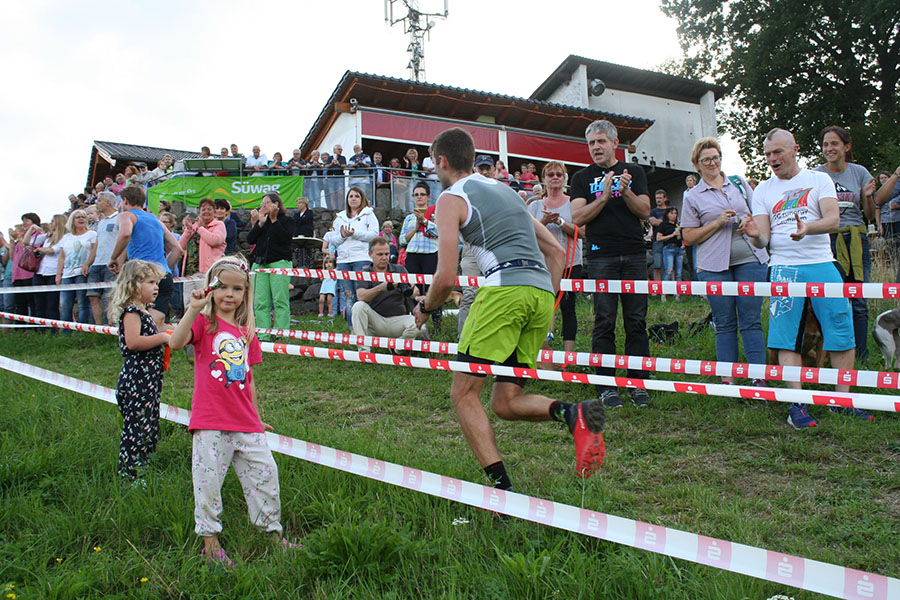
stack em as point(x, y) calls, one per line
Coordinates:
point(522, 263)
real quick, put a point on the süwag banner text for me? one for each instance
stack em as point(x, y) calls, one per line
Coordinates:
point(241, 192)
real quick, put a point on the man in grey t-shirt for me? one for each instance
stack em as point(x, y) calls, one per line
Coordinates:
point(107, 232)
point(522, 264)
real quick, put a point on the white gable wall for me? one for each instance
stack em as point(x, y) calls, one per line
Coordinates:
point(573, 92)
point(677, 125)
point(344, 131)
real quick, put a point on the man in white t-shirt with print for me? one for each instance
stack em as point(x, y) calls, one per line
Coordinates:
point(793, 212)
point(107, 233)
point(256, 163)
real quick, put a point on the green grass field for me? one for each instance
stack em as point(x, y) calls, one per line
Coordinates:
point(707, 465)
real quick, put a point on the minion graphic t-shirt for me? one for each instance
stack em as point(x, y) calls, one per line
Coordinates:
point(222, 398)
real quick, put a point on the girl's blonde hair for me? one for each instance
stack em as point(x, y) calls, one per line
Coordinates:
point(60, 222)
point(243, 314)
point(128, 285)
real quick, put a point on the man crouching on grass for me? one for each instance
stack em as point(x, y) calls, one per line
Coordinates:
point(522, 264)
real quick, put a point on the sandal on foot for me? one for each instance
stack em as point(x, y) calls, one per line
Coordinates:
point(219, 556)
point(286, 543)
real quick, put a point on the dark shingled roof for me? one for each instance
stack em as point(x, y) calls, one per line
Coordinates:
point(107, 157)
point(135, 153)
point(415, 97)
point(629, 79)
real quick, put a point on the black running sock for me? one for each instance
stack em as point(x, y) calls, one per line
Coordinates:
point(558, 410)
point(497, 474)
point(564, 413)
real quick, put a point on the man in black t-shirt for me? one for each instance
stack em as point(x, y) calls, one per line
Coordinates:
point(656, 219)
point(381, 309)
point(612, 199)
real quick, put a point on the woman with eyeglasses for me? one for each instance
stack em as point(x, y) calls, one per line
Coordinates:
point(555, 212)
point(419, 236)
point(72, 266)
point(850, 243)
point(711, 215)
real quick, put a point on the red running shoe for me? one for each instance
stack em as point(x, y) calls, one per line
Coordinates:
point(587, 430)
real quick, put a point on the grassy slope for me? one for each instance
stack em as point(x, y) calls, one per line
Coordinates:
point(703, 464)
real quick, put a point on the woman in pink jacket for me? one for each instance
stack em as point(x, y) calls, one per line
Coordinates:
point(203, 243)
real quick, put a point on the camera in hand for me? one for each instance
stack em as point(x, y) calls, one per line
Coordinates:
point(405, 289)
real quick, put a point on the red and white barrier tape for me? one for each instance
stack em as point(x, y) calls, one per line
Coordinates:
point(170, 413)
point(612, 286)
point(876, 379)
point(27, 289)
point(879, 402)
point(785, 569)
point(616, 286)
point(72, 325)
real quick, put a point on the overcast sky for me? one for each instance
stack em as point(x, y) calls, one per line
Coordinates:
point(187, 74)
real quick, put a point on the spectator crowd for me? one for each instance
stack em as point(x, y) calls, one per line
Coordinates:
point(727, 229)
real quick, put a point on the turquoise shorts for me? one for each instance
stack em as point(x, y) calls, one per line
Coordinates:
point(787, 316)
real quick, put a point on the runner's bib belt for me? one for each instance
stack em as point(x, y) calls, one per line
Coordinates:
point(513, 263)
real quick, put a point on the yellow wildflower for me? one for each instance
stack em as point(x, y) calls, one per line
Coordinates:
point(59, 560)
point(11, 596)
point(96, 548)
point(144, 580)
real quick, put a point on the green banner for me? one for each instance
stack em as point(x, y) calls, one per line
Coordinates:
point(246, 192)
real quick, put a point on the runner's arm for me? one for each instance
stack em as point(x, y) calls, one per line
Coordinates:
point(554, 255)
point(449, 214)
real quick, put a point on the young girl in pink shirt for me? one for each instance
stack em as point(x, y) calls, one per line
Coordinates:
point(225, 422)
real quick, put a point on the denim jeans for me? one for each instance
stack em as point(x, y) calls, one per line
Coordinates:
point(67, 301)
point(657, 255)
point(728, 311)
point(349, 286)
point(673, 258)
point(334, 192)
point(47, 303)
point(606, 306)
point(859, 306)
point(7, 301)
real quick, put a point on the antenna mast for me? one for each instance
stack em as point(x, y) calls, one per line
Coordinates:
point(416, 24)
